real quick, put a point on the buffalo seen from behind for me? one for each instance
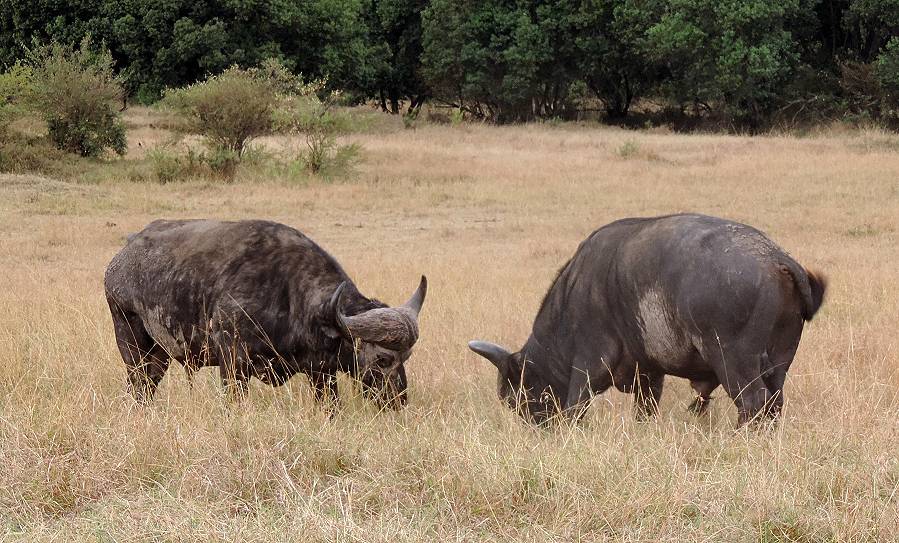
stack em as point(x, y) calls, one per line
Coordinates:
point(257, 299)
point(698, 297)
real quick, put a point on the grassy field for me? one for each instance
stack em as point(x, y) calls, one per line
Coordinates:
point(489, 214)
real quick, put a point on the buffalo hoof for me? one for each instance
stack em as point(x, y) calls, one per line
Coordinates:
point(699, 405)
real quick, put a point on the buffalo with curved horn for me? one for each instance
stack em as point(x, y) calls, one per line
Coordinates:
point(699, 297)
point(257, 299)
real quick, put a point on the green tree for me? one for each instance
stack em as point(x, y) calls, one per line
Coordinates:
point(15, 86)
point(75, 90)
point(170, 43)
point(887, 69)
point(499, 60)
point(869, 25)
point(611, 42)
point(730, 57)
point(229, 109)
point(395, 51)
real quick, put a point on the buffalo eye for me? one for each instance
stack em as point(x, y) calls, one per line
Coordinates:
point(384, 361)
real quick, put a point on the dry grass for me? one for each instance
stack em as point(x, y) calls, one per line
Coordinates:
point(488, 214)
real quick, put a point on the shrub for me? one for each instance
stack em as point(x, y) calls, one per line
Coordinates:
point(20, 154)
point(887, 69)
point(229, 110)
point(223, 162)
point(860, 86)
point(318, 122)
point(76, 92)
point(14, 87)
point(168, 167)
point(457, 117)
point(409, 119)
point(628, 149)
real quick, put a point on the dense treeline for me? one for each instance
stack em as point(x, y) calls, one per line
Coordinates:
point(738, 62)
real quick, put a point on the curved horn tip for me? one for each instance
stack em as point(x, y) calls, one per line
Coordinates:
point(418, 299)
point(491, 351)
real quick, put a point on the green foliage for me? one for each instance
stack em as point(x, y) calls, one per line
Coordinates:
point(868, 26)
point(611, 42)
point(457, 117)
point(178, 42)
point(628, 149)
point(15, 85)
point(168, 166)
point(738, 62)
point(726, 57)
point(317, 121)
point(495, 60)
point(76, 91)
point(22, 154)
point(394, 49)
point(222, 161)
point(229, 110)
point(887, 69)
point(410, 118)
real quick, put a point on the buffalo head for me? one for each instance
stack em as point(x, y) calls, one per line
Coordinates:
point(382, 340)
point(519, 384)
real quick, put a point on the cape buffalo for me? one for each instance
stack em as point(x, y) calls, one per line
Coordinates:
point(257, 299)
point(699, 297)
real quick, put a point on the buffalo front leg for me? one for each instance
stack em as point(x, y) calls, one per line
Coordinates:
point(586, 381)
point(324, 385)
point(235, 379)
point(144, 376)
point(234, 372)
point(233, 357)
point(703, 391)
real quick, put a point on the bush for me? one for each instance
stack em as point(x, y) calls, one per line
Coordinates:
point(14, 87)
point(861, 88)
point(168, 167)
point(20, 154)
point(229, 110)
point(317, 121)
point(76, 92)
point(887, 69)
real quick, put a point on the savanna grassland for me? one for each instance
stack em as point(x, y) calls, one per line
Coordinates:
point(489, 214)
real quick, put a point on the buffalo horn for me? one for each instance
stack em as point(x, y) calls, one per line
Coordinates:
point(491, 351)
point(394, 328)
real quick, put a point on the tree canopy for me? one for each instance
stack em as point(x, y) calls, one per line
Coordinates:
point(742, 61)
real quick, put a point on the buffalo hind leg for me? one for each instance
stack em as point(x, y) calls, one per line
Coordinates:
point(774, 379)
point(703, 391)
point(145, 361)
point(777, 362)
point(647, 394)
point(738, 367)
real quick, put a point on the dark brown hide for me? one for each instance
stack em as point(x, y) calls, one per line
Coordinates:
point(253, 298)
point(707, 299)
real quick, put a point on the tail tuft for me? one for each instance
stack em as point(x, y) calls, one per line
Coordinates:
point(817, 283)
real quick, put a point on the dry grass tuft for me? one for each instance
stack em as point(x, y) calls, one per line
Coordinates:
point(488, 214)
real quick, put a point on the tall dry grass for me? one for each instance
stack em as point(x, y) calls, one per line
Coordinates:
point(488, 214)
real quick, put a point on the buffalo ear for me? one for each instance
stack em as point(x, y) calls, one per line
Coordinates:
point(498, 356)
